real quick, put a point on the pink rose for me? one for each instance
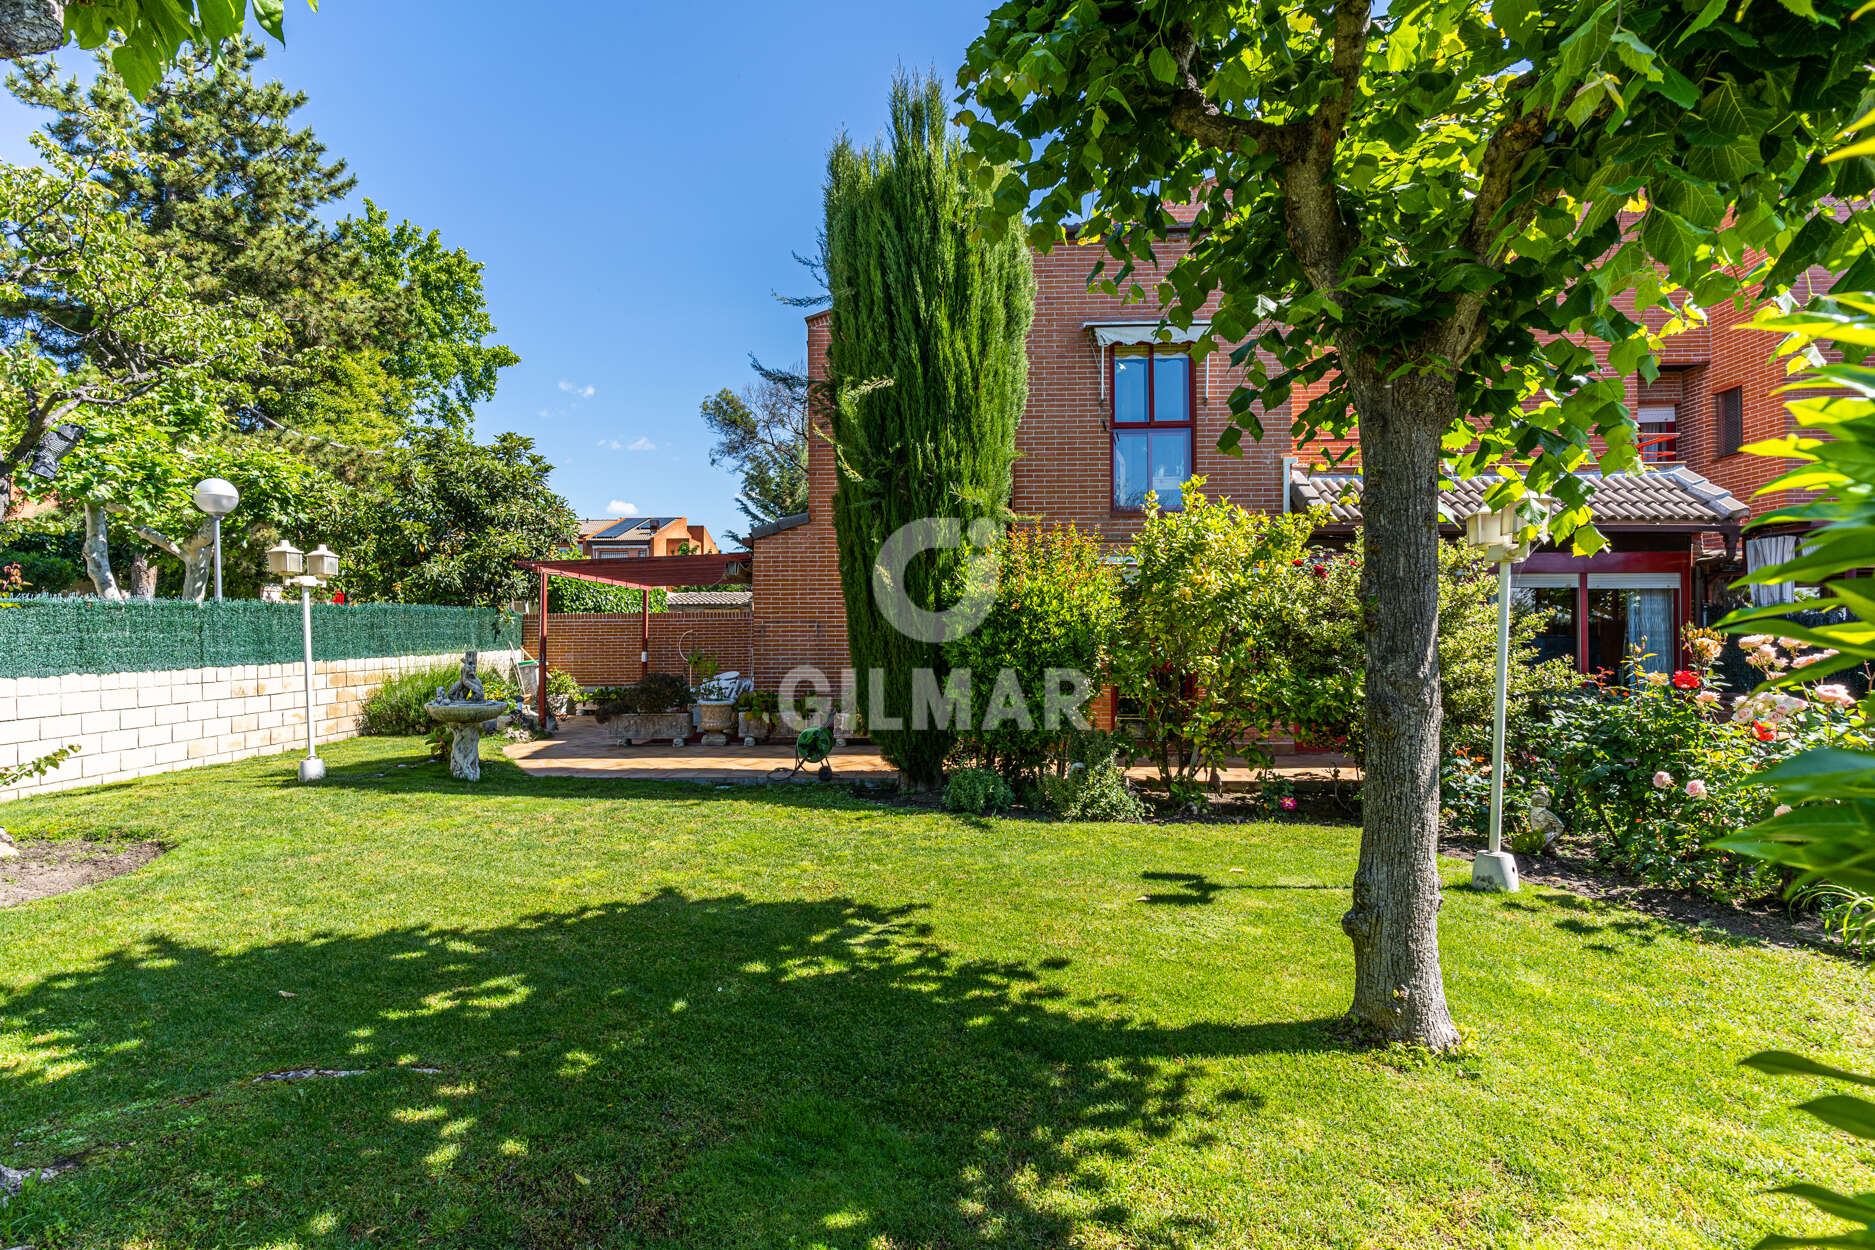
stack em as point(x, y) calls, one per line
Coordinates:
point(1783, 809)
point(1695, 789)
point(1663, 781)
point(1706, 696)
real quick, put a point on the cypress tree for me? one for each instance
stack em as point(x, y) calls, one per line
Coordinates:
point(927, 368)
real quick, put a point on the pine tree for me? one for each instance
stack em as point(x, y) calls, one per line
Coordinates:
point(929, 370)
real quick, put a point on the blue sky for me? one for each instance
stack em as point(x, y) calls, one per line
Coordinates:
point(632, 184)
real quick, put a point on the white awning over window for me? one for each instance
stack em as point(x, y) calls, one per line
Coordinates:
point(1129, 333)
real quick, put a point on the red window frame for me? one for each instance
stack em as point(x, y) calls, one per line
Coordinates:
point(1115, 426)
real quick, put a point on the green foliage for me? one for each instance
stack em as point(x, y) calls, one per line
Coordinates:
point(444, 520)
point(1095, 786)
point(977, 792)
point(1829, 831)
point(146, 36)
point(39, 766)
point(1056, 612)
point(144, 366)
point(1433, 193)
point(1653, 771)
point(38, 571)
point(570, 594)
point(1824, 830)
point(929, 366)
point(434, 319)
point(1186, 653)
point(396, 707)
point(762, 433)
point(649, 695)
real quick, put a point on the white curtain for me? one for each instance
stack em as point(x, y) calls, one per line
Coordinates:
point(1650, 627)
point(1760, 552)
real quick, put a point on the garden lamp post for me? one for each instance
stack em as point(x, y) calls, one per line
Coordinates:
point(1504, 537)
point(305, 569)
point(217, 497)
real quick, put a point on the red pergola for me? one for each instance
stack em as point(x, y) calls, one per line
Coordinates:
point(727, 568)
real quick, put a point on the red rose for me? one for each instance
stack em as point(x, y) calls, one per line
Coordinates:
point(1685, 679)
point(338, 596)
point(1762, 732)
point(1321, 571)
point(1296, 563)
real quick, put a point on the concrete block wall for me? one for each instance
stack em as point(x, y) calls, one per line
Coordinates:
point(129, 725)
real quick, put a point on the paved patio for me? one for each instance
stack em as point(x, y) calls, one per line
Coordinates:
point(583, 748)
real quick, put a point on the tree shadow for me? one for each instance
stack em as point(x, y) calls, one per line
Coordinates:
point(678, 1071)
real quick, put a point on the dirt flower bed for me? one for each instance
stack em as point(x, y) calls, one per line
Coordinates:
point(42, 869)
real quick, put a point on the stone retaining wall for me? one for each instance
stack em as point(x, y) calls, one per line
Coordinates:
point(129, 725)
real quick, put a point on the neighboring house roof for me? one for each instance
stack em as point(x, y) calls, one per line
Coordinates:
point(631, 527)
point(777, 526)
point(708, 599)
point(1676, 497)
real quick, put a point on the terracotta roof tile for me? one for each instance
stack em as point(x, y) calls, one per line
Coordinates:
point(1676, 496)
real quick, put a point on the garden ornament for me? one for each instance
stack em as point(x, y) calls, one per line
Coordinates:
point(465, 709)
point(1543, 821)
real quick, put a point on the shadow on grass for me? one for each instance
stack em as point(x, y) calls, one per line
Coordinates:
point(674, 1071)
point(1193, 889)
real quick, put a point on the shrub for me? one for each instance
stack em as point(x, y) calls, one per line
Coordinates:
point(1651, 769)
point(1186, 653)
point(396, 707)
point(977, 792)
point(1056, 612)
point(40, 572)
point(1095, 786)
point(649, 695)
point(1234, 630)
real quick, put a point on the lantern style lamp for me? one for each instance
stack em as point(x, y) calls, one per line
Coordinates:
point(1504, 536)
point(217, 497)
point(305, 569)
point(286, 560)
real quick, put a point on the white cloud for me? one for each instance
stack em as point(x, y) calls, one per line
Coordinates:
point(639, 444)
point(575, 389)
point(610, 444)
point(618, 507)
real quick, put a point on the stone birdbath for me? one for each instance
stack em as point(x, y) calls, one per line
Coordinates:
point(465, 709)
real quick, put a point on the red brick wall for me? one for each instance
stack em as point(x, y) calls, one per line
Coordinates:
point(1064, 470)
point(602, 648)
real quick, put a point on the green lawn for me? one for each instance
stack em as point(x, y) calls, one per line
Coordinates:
point(672, 1016)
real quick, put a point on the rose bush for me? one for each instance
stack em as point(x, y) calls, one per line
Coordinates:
point(1652, 768)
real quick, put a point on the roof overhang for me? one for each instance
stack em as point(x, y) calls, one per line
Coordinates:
point(727, 568)
point(1668, 500)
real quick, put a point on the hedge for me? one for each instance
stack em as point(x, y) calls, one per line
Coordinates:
point(50, 636)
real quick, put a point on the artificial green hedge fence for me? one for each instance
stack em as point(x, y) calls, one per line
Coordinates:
point(51, 636)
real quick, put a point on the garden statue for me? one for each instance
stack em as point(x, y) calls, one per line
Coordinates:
point(1543, 822)
point(462, 709)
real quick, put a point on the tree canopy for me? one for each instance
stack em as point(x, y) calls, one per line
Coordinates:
point(762, 431)
point(145, 37)
point(1427, 213)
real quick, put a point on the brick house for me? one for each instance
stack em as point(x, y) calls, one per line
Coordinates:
point(615, 538)
point(1113, 412)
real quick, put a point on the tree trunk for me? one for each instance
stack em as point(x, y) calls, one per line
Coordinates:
point(31, 27)
point(1394, 919)
point(98, 553)
point(198, 562)
point(142, 575)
